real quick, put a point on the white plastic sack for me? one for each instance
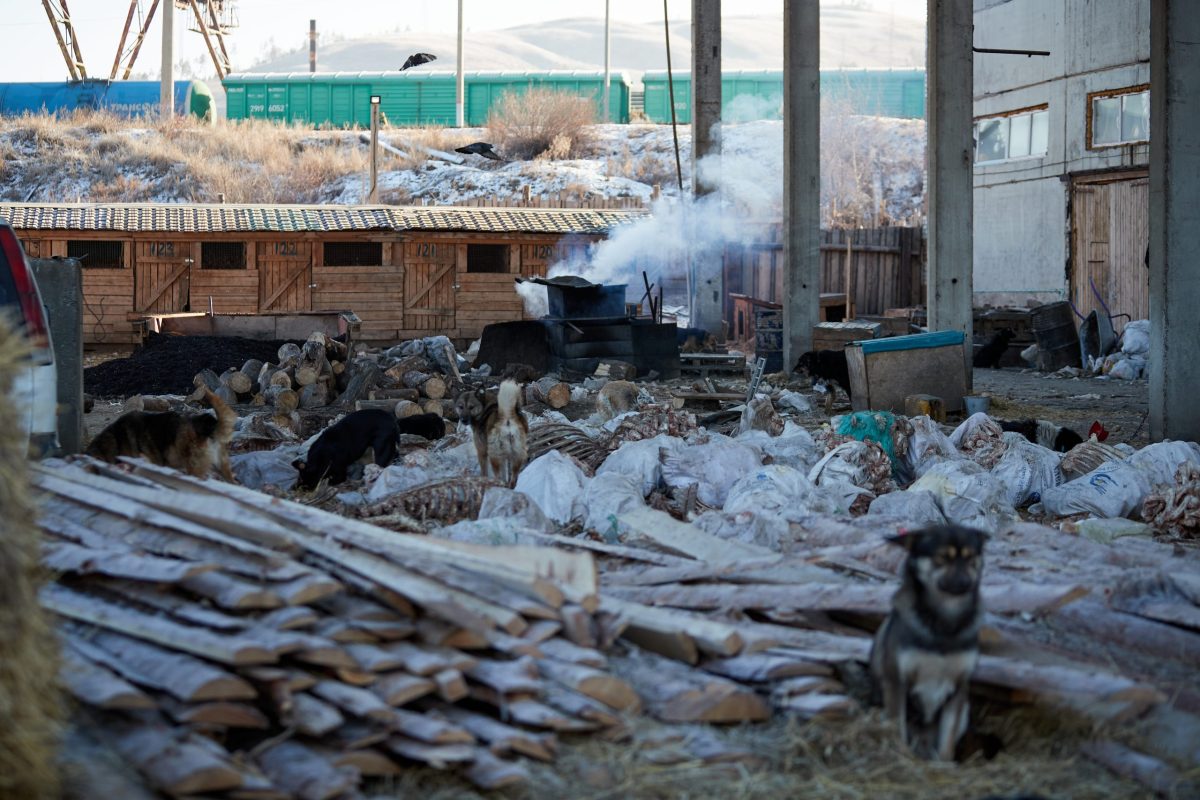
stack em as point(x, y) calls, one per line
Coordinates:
point(850, 462)
point(927, 446)
point(1026, 469)
point(967, 495)
point(917, 506)
point(397, 478)
point(794, 447)
point(495, 531)
point(1135, 340)
point(555, 482)
point(501, 503)
point(794, 401)
point(1117, 488)
point(1128, 369)
point(606, 498)
point(979, 423)
point(257, 469)
point(643, 459)
point(778, 490)
point(715, 466)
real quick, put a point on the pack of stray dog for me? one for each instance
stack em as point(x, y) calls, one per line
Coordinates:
point(348, 440)
point(498, 429)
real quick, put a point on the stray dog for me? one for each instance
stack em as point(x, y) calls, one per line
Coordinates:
point(429, 426)
point(506, 434)
point(477, 410)
point(827, 366)
point(616, 397)
point(345, 442)
point(994, 350)
point(191, 443)
point(1047, 434)
point(924, 653)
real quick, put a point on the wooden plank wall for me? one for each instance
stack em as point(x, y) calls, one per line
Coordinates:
point(227, 291)
point(107, 301)
point(162, 276)
point(428, 296)
point(375, 293)
point(1110, 232)
point(285, 275)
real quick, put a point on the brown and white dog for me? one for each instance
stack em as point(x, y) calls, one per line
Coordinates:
point(925, 651)
point(615, 398)
point(191, 443)
point(498, 428)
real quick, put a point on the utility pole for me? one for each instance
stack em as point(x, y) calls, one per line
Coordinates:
point(607, 55)
point(458, 79)
point(167, 97)
point(373, 194)
point(708, 300)
point(312, 45)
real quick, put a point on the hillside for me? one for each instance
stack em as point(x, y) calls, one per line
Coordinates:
point(849, 38)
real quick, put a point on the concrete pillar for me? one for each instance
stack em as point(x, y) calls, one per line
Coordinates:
point(605, 118)
point(61, 283)
point(801, 176)
point(1174, 220)
point(167, 87)
point(708, 268)
point(949, 71)
point(459, 91)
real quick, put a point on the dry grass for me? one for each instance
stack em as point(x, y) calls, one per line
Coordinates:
point(541, 123)
point(30, 707)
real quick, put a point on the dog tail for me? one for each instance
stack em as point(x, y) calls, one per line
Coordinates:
point(226, 417)
point(508, 401)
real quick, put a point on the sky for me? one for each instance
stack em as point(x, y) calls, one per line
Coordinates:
point(31, 53)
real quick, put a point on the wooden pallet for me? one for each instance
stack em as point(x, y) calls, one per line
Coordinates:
point(704, 363)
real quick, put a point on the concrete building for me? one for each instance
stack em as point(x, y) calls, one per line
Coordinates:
point(1061, 185)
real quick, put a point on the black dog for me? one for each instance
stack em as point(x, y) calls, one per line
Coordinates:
point(345, 442)
point(994, 350)
point(826, 365)
point(926, 649)
point(1047, 434)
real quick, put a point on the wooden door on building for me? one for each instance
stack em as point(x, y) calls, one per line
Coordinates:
point(162, 277)
point(430, 286)
point(1110, 233)
point(284, 276)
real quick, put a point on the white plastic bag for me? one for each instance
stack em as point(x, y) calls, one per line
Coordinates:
point(1128, 369)
point(765, 530)
point(794, 447)
point(501, 503)
point(967, 495)
point(927, 446)
point(778, 490)
point(257, 469)
point(1117, 488)
point(794, 401)
point(1135, 339)
point(556, 483)
point(1026, 469)
point(976, 426)
point(715, 466)
point(606, 498)
point(493, 531)
point(642, 458)
point(856, 463)
point(917, 506)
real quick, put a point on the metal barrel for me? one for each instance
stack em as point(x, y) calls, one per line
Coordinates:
point(1057, 337)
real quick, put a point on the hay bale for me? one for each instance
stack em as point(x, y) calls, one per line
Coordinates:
point(29, 691)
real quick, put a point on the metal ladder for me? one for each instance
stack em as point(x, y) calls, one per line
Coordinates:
point(756, 376)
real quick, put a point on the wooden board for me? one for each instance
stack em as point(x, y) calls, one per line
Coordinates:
point(285, 276)
point(162, 276)
point(430, 285)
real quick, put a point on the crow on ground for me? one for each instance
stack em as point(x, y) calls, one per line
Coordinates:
point(480, 149)
point(417, 59)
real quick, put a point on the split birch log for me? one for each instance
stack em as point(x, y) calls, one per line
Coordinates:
point(314, 396)
point(307, 374)
point(677, 693)
point(430, 386)
point(365, 377)
point(302, 773)
point(289, 351)
point(337, 367)
point(608, 689)
point(432, 406)
point(176, 765)
point(490, 773)
point(206, 377)
point(314, 717)
point(251, 369)
point(281, 378)
point(502, 738)
point(407, 408)
point(263, 379)
point(98, 687)
point(228, 396)
point(550, 391)
point(333, 348)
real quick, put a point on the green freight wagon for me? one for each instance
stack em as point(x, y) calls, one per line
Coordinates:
point(343, 99)
point(758, 94)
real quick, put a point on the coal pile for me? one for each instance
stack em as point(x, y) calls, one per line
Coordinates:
point(167, 364)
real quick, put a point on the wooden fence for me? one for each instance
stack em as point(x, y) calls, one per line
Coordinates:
point(563, 200)
point(886, 265)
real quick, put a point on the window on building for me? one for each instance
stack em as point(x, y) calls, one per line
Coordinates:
point(487, 258)
point(222, 255)
point(1120, 117)
point(353, 254)
point(98, 253)
point(1020, 135)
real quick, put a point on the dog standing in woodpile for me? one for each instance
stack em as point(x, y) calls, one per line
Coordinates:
point(498, 429)
point(191, 443)
point(925, 651)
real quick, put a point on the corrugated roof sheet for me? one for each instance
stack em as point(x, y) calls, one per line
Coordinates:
point(162, 218)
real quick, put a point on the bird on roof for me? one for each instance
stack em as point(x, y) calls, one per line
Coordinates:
point(480, 149)
point(417, 59)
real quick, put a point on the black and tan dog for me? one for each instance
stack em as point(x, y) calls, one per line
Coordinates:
point(827, 366)
point(346, 441)
point(498, 429)
point(191, 443)
point(924, 653)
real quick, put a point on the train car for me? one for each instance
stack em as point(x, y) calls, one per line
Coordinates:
point(342, 99)
point(123, 98)
point(758, 94)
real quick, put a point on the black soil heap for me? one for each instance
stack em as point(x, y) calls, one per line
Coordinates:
point(166, 364)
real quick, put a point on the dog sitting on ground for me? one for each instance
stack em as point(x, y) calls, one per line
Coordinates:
point(191, 443)
point(827, 366)
point(615, 398)
point(991, 353)
point(346, 441)
point(923, 655)
point(1047, 434)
